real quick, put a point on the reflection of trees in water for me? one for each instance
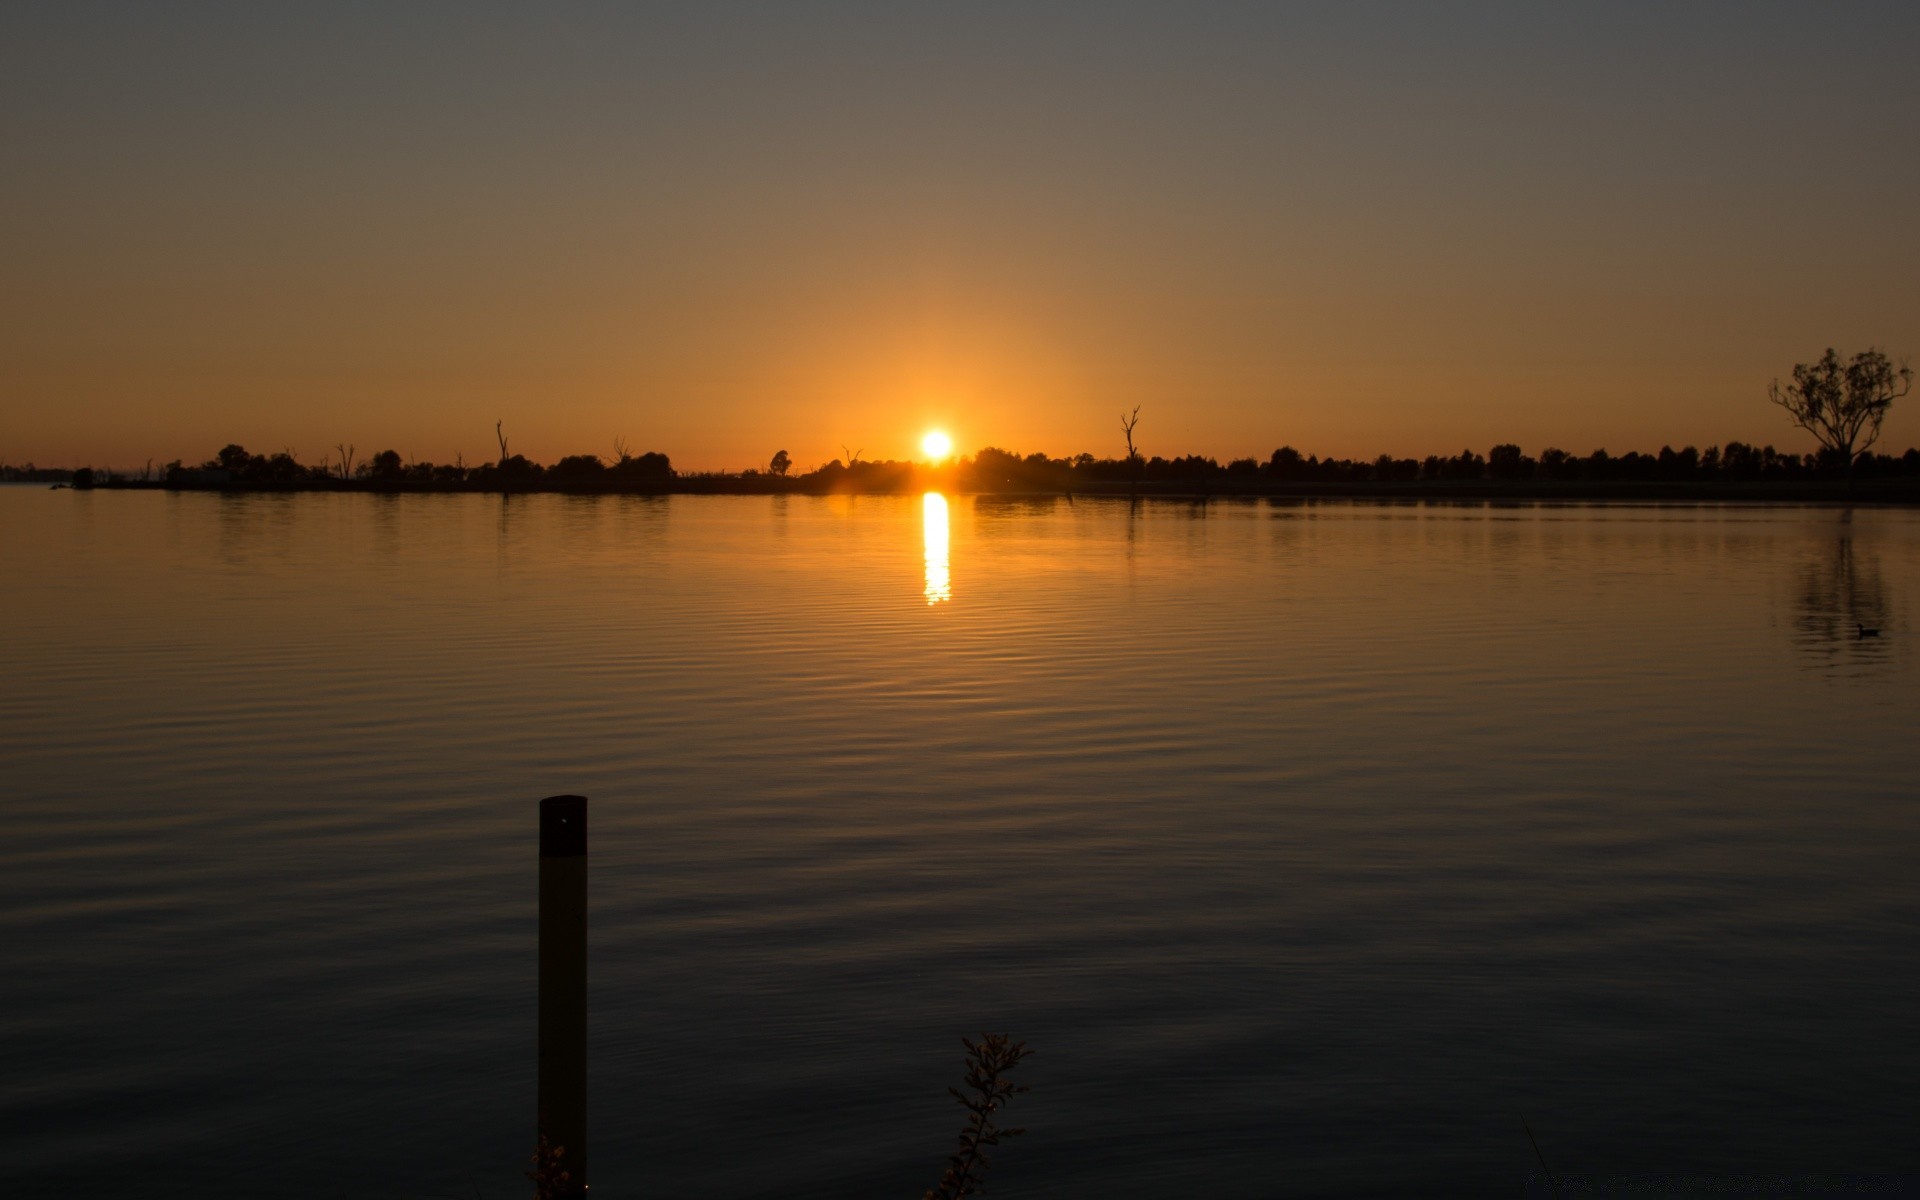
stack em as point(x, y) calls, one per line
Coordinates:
point(1839, 592)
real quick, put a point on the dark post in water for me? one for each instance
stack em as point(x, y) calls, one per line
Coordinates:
point(562, 1114)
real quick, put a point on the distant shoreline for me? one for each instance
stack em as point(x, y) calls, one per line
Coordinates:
point(1894, 491)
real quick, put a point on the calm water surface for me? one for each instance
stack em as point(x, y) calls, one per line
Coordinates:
point(1314, 847)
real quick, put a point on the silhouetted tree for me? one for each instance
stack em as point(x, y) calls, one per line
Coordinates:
point(386, 467)
point(232, 458)
point(1635, 465)
point(1127, 423)
point(995, 470)
point(1843, 406)
point(1678, 464)
point(1135, 468)
point(1505, 461)
point(651, 469)
point(1388, 469)
point(1467, 466)
point(282, 469)
point(577, 470)
point(781, 463)
point(1286, 463)
point(515, 471)
point(1740, 460)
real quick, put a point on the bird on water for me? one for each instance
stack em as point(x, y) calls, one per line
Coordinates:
point(1865, 632)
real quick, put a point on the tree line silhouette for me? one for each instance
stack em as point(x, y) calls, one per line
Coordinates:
point(1842, 404)
point(993, 469)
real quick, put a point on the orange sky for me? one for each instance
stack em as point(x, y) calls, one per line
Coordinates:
point(717, 236)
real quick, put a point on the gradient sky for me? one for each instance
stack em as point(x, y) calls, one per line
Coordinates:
point(720, 230)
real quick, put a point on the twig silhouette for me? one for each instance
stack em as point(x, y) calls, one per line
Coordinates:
point(987, 1092)
point(1543, 1160)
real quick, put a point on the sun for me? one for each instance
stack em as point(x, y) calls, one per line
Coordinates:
point(936, 445)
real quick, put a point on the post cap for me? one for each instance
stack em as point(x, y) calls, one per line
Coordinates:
point(563, 827)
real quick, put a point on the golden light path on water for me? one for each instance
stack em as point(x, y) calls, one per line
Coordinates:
point(933, 508)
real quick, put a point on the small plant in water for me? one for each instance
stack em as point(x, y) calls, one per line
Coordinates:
point(987, 1092)
point(549, 1177)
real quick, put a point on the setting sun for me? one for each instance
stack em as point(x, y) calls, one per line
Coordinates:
point(936, 445)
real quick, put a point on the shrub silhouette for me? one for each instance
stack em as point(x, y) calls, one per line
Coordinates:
point(988, 1091)
point(576, 469)
point(649, 468)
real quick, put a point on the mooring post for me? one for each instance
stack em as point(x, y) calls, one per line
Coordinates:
point(562, 1115)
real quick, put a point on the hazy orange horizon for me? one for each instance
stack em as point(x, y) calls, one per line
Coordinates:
point(718, 236)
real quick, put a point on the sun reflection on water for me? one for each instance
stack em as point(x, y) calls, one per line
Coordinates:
point(933, 508)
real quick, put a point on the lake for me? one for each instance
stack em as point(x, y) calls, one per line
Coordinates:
point(1313, 847)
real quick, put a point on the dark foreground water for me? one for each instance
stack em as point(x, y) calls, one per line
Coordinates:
point(1314, 847)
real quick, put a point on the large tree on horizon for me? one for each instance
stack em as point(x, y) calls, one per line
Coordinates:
point(1843, 405)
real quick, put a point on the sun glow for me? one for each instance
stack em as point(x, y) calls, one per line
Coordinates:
point(936, 445)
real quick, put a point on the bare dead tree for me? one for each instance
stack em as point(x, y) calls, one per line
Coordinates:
point(501, 435)
point(853, 456)
point(1127, 423)
point(346, 460)
point(1843, 406)
point(1126, 427)
point(620, 451)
